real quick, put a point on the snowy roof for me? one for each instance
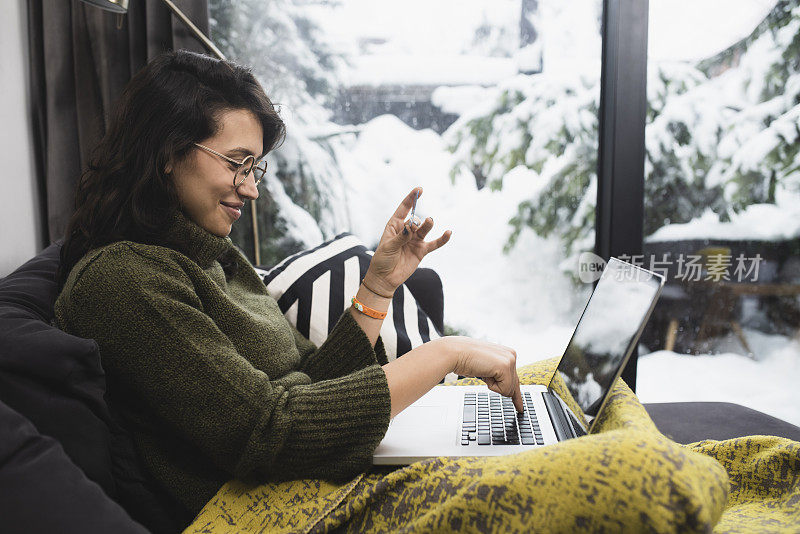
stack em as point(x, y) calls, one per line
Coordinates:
point(451, 69)
point(759, 222)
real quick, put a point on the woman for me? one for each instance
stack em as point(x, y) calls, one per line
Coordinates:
point(201, 365)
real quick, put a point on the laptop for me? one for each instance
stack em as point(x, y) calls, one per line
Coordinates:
point(475, 421)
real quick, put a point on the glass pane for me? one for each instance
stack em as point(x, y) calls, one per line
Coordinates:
point(489, 105)
point(722, 205)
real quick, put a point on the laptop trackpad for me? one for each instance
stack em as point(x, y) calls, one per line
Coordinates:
point(421, 416)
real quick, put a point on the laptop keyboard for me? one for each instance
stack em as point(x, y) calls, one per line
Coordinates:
point(491, 419)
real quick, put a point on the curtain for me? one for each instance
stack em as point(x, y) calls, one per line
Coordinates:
point(81, 58)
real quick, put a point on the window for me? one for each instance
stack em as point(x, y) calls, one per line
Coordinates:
point(490, 105)
point(722, 206)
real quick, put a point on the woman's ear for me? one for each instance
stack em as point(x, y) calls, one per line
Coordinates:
point(169, 165)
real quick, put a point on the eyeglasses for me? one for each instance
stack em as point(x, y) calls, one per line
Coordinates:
point(243, 168)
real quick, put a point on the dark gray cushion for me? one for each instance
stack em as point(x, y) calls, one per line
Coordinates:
point(688, 422)
point(52, 378)
point(43, 491)
point(56, 381)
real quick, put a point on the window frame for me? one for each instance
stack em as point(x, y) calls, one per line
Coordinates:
point(619, 212)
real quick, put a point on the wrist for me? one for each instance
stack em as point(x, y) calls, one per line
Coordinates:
point(447, 347)
point(368, 298)
point(375, 285)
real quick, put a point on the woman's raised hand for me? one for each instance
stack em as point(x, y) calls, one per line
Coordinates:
point(401, 248)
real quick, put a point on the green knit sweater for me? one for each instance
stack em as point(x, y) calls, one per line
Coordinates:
point(208, 375)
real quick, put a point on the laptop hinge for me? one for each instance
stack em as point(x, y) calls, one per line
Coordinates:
point(561, 425)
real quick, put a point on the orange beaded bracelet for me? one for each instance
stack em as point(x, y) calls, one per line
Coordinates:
point(366, 310)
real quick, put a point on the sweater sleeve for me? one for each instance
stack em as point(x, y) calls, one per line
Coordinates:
point(327, 361)
point(156, 341)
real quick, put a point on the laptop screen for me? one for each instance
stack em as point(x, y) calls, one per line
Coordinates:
point(605, 335)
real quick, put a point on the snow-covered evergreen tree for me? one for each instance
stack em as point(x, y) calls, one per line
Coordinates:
point(286, 50)
point(758, 156)
point(718, 142)
point(548, 124)
point(298, 69)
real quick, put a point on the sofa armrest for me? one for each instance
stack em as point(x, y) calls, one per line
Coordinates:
point(688, 422)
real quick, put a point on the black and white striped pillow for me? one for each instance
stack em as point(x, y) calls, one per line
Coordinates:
point(313, 288)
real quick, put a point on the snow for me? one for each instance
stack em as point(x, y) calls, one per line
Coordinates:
point(391, 43)
point(529, 58)
point(768, 384)
point(757, 222)
point(524, 299)
point(387, 160)
point(690, 29)
point(569, 31)
point(431, 69)
point(464, 99)
point(302, 227)
point(416, 27)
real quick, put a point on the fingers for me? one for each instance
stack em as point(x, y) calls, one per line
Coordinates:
point(421, 232)
point(512, 388)
point(405, 206)
point(407, 234)
point(424, 228)
point(517, 397)
point(515, 393)
point(444, 238)
point(413, 229)
point(508, 386)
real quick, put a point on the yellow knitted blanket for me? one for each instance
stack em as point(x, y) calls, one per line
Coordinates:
point(626, 476)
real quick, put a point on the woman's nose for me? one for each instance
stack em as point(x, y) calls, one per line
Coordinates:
point(248, 188)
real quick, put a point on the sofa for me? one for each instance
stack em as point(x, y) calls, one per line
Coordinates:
point(66, 465)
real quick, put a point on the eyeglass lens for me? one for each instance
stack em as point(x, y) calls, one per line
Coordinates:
point(248, 166)
point(243, 171)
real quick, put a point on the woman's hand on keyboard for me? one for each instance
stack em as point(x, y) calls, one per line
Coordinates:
point(494, 364)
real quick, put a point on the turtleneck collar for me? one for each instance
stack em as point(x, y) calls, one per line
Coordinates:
point(197, 243)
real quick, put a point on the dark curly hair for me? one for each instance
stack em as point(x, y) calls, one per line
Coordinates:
point(173, 102)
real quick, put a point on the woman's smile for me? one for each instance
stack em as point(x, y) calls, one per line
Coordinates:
point(234, 209)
